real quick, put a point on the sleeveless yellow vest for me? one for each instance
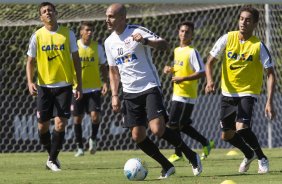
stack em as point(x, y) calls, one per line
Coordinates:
point(242, 70)
point(90, 65)
point(182, 68)
point(53, 56)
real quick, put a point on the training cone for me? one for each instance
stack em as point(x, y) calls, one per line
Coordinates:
point(228, 182)
point(232, 153)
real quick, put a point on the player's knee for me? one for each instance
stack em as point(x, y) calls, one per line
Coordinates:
point(158, 130)
point(138, 138)
point(138, 134)
point(95, 118)
point(60, 127)
point(227, 135)
point(157, 126)
point(241, 126)
point(60, 124)
point(77, 119)
point(43, 127)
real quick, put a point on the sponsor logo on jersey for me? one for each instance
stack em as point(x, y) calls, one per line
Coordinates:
point(89, 59)
point(239, 57)
point(50, 58)
point(83, 67)
point(177, 62)
point(245, 119)
point(53, 47)
point(126, 59)
point(235, 67)
point(159, 111)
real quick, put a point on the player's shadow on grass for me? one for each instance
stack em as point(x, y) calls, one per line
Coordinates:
point(217, 175)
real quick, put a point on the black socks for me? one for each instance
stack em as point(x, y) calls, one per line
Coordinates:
point(78, 135)
point(45, 139)
point(57, 144)
point(239, 143)
point(250, 138)
point(173, 138)
point(194, 134)
point(95, 128)
point(148, 147)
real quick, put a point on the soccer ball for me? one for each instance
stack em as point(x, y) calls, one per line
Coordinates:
point(135, 169)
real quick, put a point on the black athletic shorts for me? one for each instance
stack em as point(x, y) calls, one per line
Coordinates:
point(180, 114)
point(236, 109)
point(88, 103)
point(53, 102)
point(139, 109)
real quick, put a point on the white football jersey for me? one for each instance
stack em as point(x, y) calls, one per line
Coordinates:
point(134, 60)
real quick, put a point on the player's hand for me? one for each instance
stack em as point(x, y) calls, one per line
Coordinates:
point(168, 69)
point(104, 89)
point(32, 89)
point(177, 80)
point(115, 103)
point(210, 88)
point(269, 111)
point(138, 38)
point(78, 93)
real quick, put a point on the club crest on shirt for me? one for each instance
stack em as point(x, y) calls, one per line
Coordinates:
point(129, 43)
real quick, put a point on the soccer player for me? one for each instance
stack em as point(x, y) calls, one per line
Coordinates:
point(187, 68)
point(130, 62)
point(91, 55)
point(53, 48)
point(244, 58)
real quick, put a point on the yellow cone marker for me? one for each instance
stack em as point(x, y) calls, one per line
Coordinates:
point(228, 182)
point(232, 153)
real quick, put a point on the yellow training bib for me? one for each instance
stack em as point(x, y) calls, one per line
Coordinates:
point(182, 68)
point(242, 70)
point(54, 62)
point(90, 65)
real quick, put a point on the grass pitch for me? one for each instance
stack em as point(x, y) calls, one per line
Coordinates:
point(107, 168)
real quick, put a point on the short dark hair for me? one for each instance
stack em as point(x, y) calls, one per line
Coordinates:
point(46, 4)
point(188, 24)
point(86, 23)
point(252, 10)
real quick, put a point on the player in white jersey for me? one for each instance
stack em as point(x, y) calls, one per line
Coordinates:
point(130, 61)
point(244, 58)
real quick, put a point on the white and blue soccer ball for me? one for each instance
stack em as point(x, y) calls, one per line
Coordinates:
point(135, 169)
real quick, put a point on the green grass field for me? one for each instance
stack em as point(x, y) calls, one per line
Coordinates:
point(107, 168)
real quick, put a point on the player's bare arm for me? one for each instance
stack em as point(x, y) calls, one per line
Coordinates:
point(210, 87)
point(194, 76)
point(114, 83)
point(271, 81)
point(77, 67)
point(104, 72)
point(160, 44)
point(29, 75)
